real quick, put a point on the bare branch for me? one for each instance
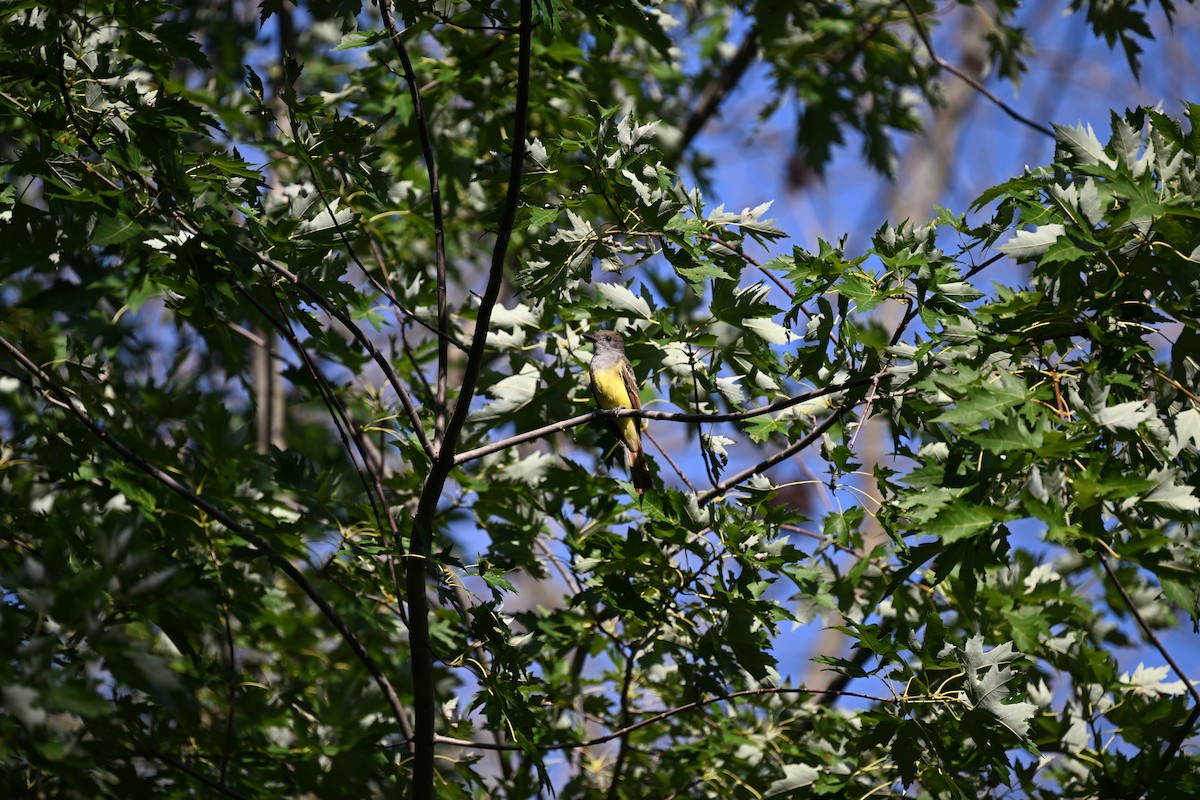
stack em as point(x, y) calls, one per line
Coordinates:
point(417, 572)
point(668, 416)
point(659, 716)
point(439, 224)
point(500, 249)
point(667, 455)
point(976, 85)
point(1189, 724)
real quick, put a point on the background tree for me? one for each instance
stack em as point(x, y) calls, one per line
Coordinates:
point(410, 215)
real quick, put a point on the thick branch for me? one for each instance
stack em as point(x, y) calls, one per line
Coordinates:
point(719, 87)
point(417, 568)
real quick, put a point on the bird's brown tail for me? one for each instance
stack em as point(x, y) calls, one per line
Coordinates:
point(639, 471)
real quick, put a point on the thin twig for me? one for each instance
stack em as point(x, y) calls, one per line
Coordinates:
point(976, 85)
point(173, 763)
point(379, 358)
point(439, 224)
point(231, 653)
point(384, 290)
point(872, 395)
point(668, 416)
point(369, 471)
point(503, 236)
point(705, 456)
point(623, 743)
point(1185, 731)
point(665, 454)
point(1146, 630)
point(742, 254)
point(462, 597)
point(195, 230)
point(784, 454)
point(659, 716)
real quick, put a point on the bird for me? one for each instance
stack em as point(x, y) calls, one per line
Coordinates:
point(615, 386)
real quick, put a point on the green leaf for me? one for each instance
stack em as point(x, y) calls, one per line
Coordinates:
point(1031, 245)
point(114, 230)
point(795, 776)
point(961, 521)
point(1082, 143)
point(990, 401)
point(511, 394)
point(620, 298)
point(1169, 494)
point(496, 580)
point(1124, 416)
point(993, 687)
point(357, 39)
point(1008, 435)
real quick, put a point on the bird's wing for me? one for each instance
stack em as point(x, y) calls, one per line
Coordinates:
point(631, 387)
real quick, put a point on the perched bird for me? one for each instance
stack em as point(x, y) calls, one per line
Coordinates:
point(615, 386)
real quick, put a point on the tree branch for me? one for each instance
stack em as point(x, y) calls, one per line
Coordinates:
point(218, 787)
point(384, 290)
point(614, 784)
point(393, 380)
point(709, 470)
point(718, 89)
point(667, 416)
point(231, 655)
point(784, 454)
point(372, 462)
point(976, 85)
point(1177, 743)
point(439, 224)
point(659, 716)
point(417, 567)
point(1146, 630)
point(319, 299)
